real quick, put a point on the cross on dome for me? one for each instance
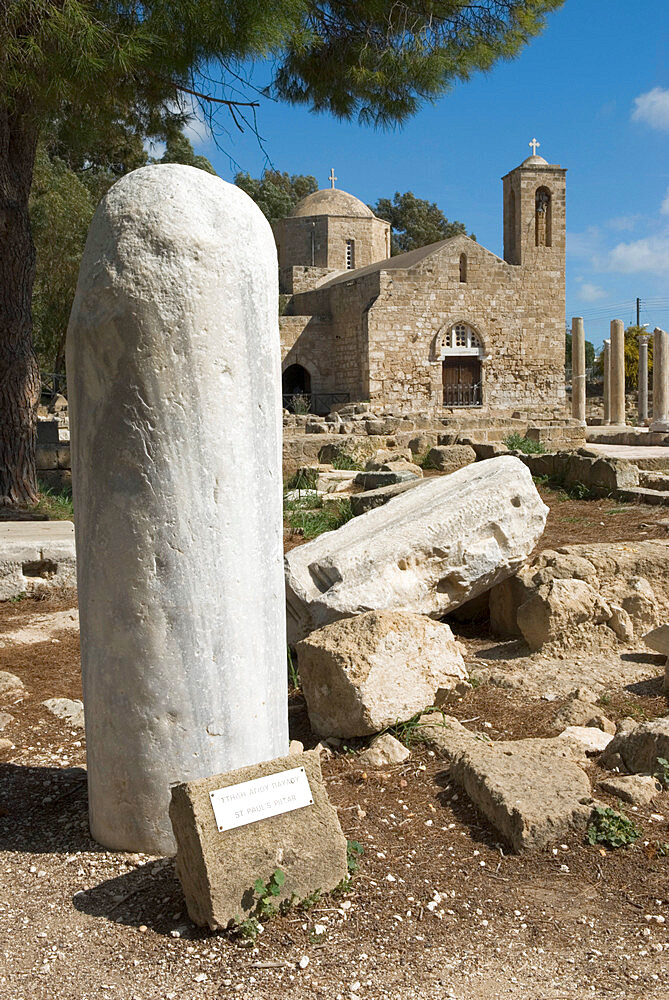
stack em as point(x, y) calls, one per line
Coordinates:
point(332, 177)
point(534, 145)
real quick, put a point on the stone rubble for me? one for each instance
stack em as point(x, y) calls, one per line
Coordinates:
point(360, 675)
point(637, 751)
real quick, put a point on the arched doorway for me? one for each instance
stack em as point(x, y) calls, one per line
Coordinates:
point(460, 351)
point(296, 389)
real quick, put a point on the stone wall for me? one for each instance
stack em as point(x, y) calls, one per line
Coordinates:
point(319, 242)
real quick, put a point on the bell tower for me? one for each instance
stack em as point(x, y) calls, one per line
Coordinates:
point(534, 212)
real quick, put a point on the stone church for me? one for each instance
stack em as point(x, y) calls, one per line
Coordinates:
point(444, 327)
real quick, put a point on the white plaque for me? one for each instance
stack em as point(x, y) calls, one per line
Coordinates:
point(260, 798)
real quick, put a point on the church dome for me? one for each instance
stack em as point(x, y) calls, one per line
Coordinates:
point(331, 201)
point(534, 161)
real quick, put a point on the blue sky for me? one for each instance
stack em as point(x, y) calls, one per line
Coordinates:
point(593, 89)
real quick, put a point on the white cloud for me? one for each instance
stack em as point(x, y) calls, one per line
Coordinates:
point(154, 148)
point(664, 207)
point(590, 293)
point(584, 244)
point(650, 254)
point(623, 222)
point(653, 108)
point(196, 128)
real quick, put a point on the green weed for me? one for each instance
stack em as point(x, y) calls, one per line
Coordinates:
point(342, 461)
point(611, 828)
point(516, 442)
point(304, 479)
point(293, 675)
point(56, 505)
point(310, 517)
point(662, 773)
point(354, 852)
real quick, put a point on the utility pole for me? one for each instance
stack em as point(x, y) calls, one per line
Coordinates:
point(638, 311)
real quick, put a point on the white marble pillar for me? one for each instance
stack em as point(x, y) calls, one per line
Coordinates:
point(643, 380)
point(607, 382)
point(660, 380)
point(174, 389)
point(577, 369)
point(617, 373)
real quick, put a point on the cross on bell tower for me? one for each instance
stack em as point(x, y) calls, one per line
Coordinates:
point(534, 146)
point(332, 177)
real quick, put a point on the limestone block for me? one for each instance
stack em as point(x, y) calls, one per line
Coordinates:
point(580, 710)
point(637, 789)
point(362, 674)
point(384, 750)
point(375, 480)
point(36, 556)
point(11, 688)
point(383, 455)
point(174, 386)
point(362, 502)
point(554, 611)
point(639, 749)
point(531, 792)
point(658, 639)
point(67, 710)
point(448, 458)
point(427, 552)
point(217, 870)
point(621, 623)
point(588, 738)
point(639, 601)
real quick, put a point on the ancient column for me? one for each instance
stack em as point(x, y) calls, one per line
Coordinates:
point(643, 380)
point(617, 373)
point(174, 391)
point(577, 369)
point(660, 380)
point(607, 382)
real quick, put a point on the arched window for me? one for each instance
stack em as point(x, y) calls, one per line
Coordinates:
point(463, 267)
point(458, 339)
point(542, 215)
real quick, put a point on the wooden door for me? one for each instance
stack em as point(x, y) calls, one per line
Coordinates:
point(461, 380)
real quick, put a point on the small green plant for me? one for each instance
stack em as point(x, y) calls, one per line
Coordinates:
point(516, 442)
point(611, 828)
point(354, 852)
point(56, 505)
point(17, 597)
point(267, 893)
point(343, 461)
point(311, 517)
point(663, 848)
point(662, 773)
point(342, 887)
point(293, 676)
point(310, 900)
point(475, 681)
point(304, 479)
point(410, 732)
point(248, 929)
point(421, 460)
point(301, 404)
point(604, 699)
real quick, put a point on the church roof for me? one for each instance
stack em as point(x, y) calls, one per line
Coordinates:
point(403, 261)
point(331, 201)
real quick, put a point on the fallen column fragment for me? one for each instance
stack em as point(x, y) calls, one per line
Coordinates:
point(427, 551)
